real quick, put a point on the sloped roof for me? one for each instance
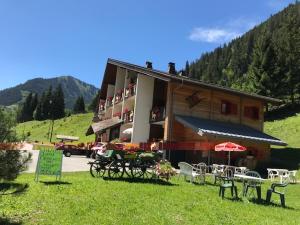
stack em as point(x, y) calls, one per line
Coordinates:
point(182, 79)
point(229, 130)
point(103, 125)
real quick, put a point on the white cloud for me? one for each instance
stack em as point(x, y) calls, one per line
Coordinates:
point(212, 35)
point(230, 30)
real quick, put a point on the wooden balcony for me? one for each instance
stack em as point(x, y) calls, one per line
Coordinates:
point(157, 114)
point(128, 116)
point(130, 90)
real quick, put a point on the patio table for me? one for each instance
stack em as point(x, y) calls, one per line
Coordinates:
point(246, 178)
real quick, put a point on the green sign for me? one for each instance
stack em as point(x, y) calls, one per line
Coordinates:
point(49, 163)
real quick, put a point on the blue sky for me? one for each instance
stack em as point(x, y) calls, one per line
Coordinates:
point(50, 38)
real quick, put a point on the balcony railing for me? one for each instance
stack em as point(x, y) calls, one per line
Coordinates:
point(118, 97)
point(130, 90)
point(157, 114)
point(109, 101)
point(128, 116)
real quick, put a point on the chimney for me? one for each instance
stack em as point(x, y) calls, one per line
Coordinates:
point(149, 64)
point(172, 69)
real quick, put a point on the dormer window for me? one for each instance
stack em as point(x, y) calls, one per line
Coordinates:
point(228, 108)
point(251, 112)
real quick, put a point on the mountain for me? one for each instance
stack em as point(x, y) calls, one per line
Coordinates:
point(72, 88)
point(265, 60)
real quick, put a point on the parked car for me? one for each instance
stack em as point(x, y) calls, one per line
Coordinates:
point(70, 149)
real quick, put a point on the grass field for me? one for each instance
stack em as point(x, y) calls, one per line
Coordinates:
point(75, 125)
point(81, 199)
point(287, 130)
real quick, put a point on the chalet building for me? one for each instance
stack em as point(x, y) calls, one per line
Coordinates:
point(192, 115)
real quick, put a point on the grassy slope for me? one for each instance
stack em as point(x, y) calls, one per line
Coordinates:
point(75, 125)
point(87, 200)
point(287, 130)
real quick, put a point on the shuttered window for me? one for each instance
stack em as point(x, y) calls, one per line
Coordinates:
point(251, 112)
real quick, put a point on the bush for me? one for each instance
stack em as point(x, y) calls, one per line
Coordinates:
point(12, 162)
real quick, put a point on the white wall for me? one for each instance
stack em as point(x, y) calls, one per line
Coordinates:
point(120, 79)
point(110, 90)
point(142, 108)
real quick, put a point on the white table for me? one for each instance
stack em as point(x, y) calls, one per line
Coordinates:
point(246, 178)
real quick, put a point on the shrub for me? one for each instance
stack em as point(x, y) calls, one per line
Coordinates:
point(12, 162)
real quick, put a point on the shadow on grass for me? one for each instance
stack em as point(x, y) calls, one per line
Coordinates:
point(48, 183)
point(12, 188)
point(6, 221)
point(141, 180)
point(271, 204)
point(283, 112)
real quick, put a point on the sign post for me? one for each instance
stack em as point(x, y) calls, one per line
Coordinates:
point(49, 163)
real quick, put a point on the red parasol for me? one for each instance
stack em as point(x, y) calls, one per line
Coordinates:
point(230, 147)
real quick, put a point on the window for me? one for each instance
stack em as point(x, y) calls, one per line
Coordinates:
point(251, 112)
point(228, 108)
point(114, 133)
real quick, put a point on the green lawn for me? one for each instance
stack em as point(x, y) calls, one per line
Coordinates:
point(86, 200)
point(75, 125)
point(287, 130)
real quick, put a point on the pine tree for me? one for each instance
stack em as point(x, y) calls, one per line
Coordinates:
point(34, 103)
point(38, 112)
point(26, 113)
point(94, 106)
point(79, 106)
point(47, 104)
point(58, 105)
point(187, 69)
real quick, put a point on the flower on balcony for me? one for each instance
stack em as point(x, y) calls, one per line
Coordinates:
point(126, 110)
point(118, 114)
point(109, 98)
point(131, 85)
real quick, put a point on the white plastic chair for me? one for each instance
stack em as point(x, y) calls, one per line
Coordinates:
point(188, 170)
point(272, 173)
point(292, 176)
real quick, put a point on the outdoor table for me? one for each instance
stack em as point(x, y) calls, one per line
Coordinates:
point(246, 178)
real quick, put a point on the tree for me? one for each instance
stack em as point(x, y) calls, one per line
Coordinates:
point(11, 162)
point(94, 106)
point(79, 106)
point(47, 100)
point(7, 124)
point(34, 103)
point(187, 69)
point(38, 112)
point(26, 111)
point(58, 105)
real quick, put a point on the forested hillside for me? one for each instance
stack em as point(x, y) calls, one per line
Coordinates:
point(265, 60)
point(72, 88)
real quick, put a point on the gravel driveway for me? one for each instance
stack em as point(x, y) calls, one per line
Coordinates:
point(70, 164)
